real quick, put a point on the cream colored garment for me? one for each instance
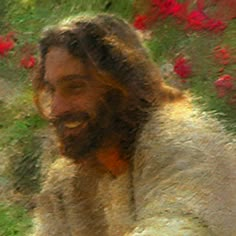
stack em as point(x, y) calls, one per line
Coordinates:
point(185, 175)
point(84, 201)
point(183, 183)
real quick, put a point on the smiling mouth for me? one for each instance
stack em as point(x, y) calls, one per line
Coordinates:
point(73, 124)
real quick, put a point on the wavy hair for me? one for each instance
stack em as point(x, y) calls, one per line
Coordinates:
point(114, 49)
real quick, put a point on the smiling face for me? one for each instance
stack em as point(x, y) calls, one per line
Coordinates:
point(78, 106)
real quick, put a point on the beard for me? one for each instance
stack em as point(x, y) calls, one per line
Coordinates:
point(78, 142)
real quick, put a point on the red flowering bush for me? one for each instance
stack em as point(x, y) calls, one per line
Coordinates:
point(224, 85)
point(192, 28)
point(28, 61)
point(215, 25)
point(192, 16)
point(182, 68)
point(198, 20)
point(165, 8)
point(6, 44)
point(140, 22)
point(222, 55)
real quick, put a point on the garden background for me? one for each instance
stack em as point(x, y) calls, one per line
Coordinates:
point(192, 41)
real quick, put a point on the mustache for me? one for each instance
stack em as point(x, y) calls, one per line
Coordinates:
point(69, 117)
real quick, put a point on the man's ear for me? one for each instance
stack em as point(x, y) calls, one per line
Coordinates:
point(42, 100)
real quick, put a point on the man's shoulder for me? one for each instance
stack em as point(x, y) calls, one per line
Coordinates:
point(184, 131)
point(181, 120)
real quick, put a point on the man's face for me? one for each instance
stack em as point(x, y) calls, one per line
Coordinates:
point(78, 106)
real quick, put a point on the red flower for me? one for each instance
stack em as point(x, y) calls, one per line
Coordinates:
point(196, 20)
point(6, 44)
point(215, 25)
point(28, 62)
point(222, 55)
point(224, 85)
point(167, 7)
point(140, 22)
point(225, 81)
point(182, 67)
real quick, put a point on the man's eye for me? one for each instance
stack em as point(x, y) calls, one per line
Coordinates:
point(76, 87)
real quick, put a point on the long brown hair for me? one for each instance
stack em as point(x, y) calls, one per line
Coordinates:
point(113, 47)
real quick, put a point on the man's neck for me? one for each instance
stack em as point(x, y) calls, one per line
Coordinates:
point(111, 158)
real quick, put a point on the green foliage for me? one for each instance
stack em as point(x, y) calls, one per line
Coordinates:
point(14, 220)
point(167, 40)
point(19, 120)
point(19, 123)
point(31, 16)
point(22, 129)
point(3, 10)
point(24, 168)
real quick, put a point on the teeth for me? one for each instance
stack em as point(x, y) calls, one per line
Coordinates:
point(73, 124)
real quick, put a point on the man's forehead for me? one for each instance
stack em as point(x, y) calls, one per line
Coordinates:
point(60, 63)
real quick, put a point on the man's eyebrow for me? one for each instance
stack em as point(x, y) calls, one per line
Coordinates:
point(72, 77)
point(68, 78)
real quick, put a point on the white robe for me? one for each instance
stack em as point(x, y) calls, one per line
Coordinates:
point(182, 182)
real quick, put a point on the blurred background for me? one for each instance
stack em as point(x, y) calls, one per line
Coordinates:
point(193, 42)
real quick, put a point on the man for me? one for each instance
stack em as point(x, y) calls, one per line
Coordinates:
point(138, 158)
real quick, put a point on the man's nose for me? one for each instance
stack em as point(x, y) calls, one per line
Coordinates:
point(60, 105)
